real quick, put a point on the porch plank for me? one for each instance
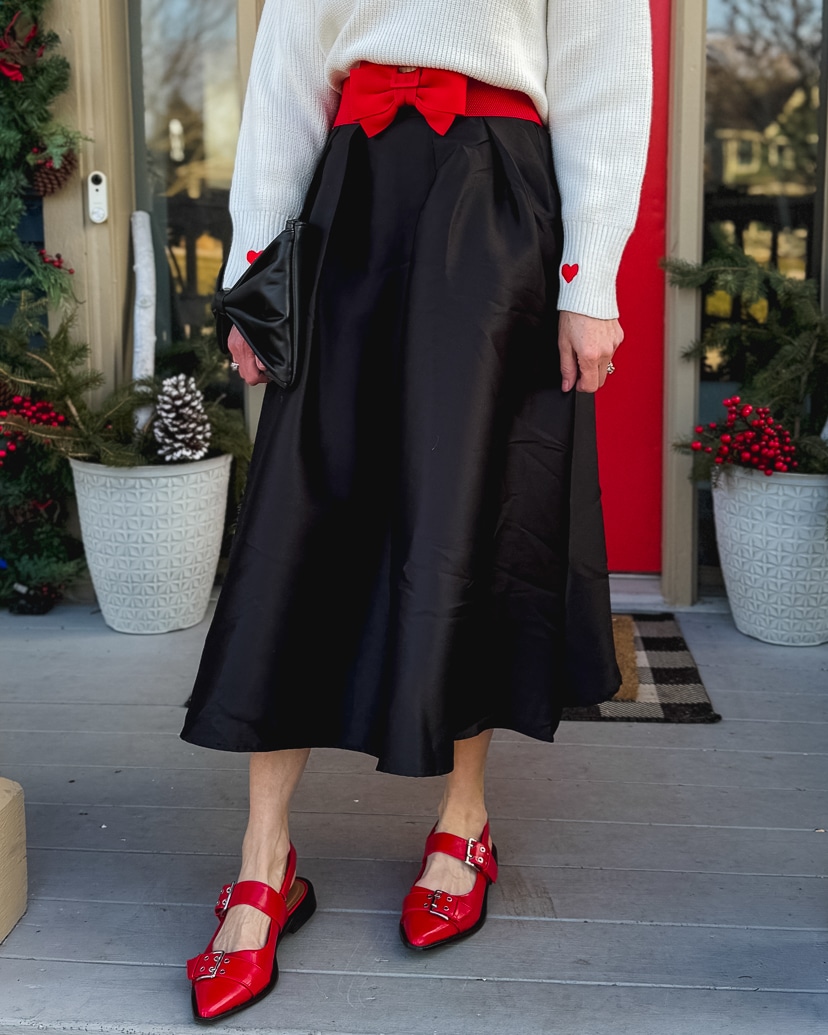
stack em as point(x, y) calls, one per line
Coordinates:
point(379, 794)
point(530, 842)
point(806, 706)
point(378, 886)
point(531, 760)
point(528, 950)
point(114, 1000)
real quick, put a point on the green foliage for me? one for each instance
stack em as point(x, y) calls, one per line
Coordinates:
point(35, 479)
point(35, 547)
point(55, 367)
point(32, 76)
point(778, 338)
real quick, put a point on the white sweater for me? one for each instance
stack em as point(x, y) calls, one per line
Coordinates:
point(585, 63)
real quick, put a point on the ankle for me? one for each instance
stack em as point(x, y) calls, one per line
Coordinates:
point(464, 820)
point(265, 859)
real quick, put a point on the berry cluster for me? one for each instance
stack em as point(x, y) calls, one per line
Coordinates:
point(34, 601)
point(749, 437)
point(54, 260)
point(47, 163)
point(38, 413)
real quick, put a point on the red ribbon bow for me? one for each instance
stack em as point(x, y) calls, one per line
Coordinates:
point(377, 92)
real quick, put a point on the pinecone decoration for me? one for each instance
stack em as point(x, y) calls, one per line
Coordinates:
point(48, 177)
point(181, 427)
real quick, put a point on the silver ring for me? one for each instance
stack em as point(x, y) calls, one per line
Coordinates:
point(610, 367)
point(234, 366)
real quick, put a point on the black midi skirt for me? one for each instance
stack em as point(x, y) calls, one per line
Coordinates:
point(419, 554)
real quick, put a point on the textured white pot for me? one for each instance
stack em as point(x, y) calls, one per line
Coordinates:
point(772, 535)
point(152, 537)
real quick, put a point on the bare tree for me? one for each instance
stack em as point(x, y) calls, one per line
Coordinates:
point(763, 54)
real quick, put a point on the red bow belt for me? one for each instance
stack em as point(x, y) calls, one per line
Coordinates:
point(373, 94)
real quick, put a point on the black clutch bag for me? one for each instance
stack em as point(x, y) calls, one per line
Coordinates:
point(269, 304)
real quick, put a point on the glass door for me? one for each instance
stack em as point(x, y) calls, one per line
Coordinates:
point(187, 105)
point(762, 146)
point(763, 162)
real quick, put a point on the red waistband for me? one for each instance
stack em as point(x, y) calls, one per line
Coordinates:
point(373, 94)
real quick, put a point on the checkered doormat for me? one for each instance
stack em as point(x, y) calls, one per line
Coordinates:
point(664, 684)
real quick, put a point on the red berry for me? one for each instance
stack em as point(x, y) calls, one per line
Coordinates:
point(696, 445)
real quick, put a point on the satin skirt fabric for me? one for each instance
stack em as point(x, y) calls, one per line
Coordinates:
point(420, 551)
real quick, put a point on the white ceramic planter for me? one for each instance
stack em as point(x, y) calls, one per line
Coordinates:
point(152, 537)
point(772, 535)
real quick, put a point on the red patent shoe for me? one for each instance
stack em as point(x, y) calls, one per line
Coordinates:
point(226, 982)
point(432, 918)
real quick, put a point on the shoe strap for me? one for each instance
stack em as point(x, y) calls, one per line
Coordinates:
point(240, 967)
point(472, 851)
point(260, 895)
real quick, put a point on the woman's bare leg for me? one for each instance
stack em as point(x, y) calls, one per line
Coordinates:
point(273, 779)
point(462, 811)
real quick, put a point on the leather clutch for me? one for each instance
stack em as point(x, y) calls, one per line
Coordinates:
point(269, 304)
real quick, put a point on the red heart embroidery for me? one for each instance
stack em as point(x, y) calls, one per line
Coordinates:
point(570, 272)
point(252, 256)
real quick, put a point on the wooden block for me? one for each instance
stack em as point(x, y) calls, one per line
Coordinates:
point(12, 856)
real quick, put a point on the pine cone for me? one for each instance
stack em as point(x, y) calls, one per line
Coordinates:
point(49, 179)
point(181, 428)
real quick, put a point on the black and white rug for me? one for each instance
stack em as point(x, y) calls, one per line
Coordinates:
point(669, 687)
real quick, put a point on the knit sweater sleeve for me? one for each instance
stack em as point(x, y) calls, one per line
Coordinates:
point(600, 97)
point(288, 110)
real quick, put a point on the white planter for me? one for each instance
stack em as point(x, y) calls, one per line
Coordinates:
point(152, 537)
point(772, 535)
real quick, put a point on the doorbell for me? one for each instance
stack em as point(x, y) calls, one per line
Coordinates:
point(98, 197)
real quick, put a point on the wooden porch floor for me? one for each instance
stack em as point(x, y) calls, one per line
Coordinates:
point(656, 880)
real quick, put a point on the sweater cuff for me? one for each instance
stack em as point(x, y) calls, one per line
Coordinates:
point(252, 232)
point(591, 257)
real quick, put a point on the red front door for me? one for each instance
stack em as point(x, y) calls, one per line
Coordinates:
point(630, 406)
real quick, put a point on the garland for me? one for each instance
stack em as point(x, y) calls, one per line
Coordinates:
point(38, 556)
point(36, 152)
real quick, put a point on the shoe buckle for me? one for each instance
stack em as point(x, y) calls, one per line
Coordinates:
point(435, 905)
point(224, 903)
point(475, 854)
point(210, 965)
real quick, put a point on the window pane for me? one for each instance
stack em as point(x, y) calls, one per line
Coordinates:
point(763, 64)
point(188, 90)
point(761, 163)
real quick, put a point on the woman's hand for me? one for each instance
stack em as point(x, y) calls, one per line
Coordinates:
point(586, 346)
point(250, 369)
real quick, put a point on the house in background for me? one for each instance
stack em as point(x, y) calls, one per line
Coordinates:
point(157, 86)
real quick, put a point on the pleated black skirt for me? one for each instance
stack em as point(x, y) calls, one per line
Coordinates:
point(420, 551)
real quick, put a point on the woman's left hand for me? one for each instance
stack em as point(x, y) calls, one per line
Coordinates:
point(251, 369)
point(586, 345)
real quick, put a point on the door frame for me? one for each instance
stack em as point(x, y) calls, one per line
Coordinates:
point(685, 207)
